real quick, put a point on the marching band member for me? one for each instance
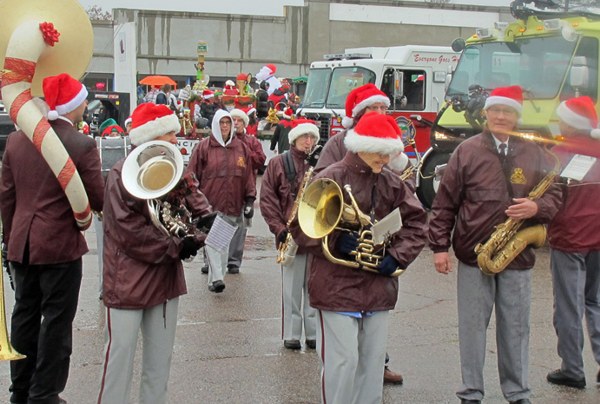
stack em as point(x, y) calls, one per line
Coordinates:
point(353, 305)
point(361, 100)
point(575, 245)
point(488, 179)
point(278, 193)
point(222, 164)
point(45, 245)
point(143, 274)
point(257, 160)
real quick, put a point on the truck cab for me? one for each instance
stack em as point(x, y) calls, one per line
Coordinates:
point(552, 55)
point(412, 76)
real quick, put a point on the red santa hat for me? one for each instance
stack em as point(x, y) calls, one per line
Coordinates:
point(150, 121)
point(511, 96)
point(361, 98)
point(229, 83)
point(580, 113)
point(63, 94)
point(287, 113)
point(206, 94)
point(375, 133)
point(240, 114)
point(303, 127)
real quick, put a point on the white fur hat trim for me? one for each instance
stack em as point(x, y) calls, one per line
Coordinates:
point(304, 129)
point(368, 144)
point(153, 129)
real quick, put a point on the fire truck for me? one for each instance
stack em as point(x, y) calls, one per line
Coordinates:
point(553, 55)
point(414, 78)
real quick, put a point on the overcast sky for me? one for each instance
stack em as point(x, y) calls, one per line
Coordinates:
point(256, 7)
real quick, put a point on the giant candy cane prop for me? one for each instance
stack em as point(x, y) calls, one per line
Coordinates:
point(26, 45)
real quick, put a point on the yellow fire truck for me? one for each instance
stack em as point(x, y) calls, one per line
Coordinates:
point(552, 55)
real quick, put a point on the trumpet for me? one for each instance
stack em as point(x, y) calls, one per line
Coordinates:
point(7, 352)
point(322, 210)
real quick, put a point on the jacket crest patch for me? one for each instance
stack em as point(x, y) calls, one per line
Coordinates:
point(241, 162)
point(517, 176)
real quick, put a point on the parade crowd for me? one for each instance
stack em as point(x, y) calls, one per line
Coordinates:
point(338, 284)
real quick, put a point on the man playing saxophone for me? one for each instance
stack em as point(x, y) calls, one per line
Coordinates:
point(279, 194)
point(488, 179)
point(353, 304)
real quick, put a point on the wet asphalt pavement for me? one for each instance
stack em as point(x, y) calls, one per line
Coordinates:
point(228, 347)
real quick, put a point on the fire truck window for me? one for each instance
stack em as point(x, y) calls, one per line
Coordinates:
point(588, 53)
point(387, 86)
point(414, 90)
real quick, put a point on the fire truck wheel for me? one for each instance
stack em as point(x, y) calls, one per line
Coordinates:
point(428, 185)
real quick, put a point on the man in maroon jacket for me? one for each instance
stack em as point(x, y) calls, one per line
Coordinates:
point(257, 161)
point(279, 191)
point(575, 243)
point(222, 165)
point(488, 179)
point(353, 305)
point(143, 274)
point(45, 245)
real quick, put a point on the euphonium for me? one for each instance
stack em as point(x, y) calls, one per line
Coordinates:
point(287, 250)
point(507, 241)
point(322, 210)
point(150, 172)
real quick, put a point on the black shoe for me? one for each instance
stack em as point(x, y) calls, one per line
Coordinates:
point(217, 286)
point(291, 344)
point(558, 377)
point(598, 377)
point(521, 401)
point(463, 401)
point(204, 269)
point(311, 344)
point(232, 269)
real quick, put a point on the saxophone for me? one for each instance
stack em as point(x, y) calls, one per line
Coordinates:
point(287, 250)
point(507, 241)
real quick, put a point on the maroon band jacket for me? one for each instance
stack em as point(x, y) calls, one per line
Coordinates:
point(36, 213)
point(142, 267)
point(338, 288)
point(474, 194)
point(277, 194)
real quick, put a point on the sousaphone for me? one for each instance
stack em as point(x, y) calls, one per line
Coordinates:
point(40, 39)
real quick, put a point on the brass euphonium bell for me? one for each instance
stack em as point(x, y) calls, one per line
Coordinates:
point(322, 210)
point(150, 172)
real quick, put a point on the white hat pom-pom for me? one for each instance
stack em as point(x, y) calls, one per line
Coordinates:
point(595, 133)
point(52, 115)
point(347, 122)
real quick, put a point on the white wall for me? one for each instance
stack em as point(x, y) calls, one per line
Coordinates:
point(410, 15)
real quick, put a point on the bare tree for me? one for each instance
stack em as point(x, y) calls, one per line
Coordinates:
point(96, 13)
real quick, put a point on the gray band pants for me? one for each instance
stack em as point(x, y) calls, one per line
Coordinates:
point(576, 286)
point(158, 324)
point(352, 353)
point(509, 294)
point(294, 290)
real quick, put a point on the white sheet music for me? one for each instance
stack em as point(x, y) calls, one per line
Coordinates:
point(220, 233)
point(578, 167)
point(386, 227)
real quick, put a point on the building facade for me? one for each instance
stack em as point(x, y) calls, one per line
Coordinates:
point(166, 41)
